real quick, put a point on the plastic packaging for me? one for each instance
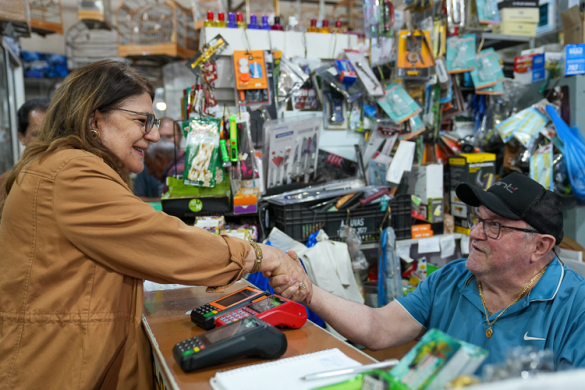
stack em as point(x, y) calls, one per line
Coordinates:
point(202, 153)
point(541, 167)
point(290, 79)
point(389, 272)
point(574, 144)
point(524, 362)
point(246, 163)
point(353, 241)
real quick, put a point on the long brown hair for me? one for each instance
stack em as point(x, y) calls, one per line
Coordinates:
point(102, 86)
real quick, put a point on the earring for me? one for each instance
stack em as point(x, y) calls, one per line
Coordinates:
point(94, 133)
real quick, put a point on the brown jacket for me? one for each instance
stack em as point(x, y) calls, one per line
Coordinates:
point(75, 245)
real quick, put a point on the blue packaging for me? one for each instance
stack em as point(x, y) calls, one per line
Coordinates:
point(574, 59)
point(538, 72)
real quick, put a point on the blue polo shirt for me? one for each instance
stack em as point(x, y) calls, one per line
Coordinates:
point(551, 316)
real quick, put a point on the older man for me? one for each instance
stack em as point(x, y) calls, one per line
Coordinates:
point(146, 186)
point(511, 291)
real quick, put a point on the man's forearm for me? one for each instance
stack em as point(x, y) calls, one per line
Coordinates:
point(351, 319)
point(373, 328)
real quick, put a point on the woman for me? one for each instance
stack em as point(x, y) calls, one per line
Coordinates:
point(76, 243)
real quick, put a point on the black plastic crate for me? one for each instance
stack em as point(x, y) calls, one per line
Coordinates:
point(299, 222)
point(401, 216)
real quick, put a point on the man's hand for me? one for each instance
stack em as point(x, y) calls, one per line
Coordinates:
point(289, 279)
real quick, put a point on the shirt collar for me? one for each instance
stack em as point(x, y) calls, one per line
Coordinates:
point(545, 290)
point(547, 287)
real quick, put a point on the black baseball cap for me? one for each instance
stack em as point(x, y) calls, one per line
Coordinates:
point(519, 197)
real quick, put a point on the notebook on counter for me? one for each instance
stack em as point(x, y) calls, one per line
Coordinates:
point(285, 374)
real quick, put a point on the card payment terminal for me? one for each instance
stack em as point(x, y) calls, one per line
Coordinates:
point(275, 310)
point(205, 316)
point(250, 337)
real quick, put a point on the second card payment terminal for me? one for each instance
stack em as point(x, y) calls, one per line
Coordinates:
point(251, 337)
point(274, 309)
point(205, 316)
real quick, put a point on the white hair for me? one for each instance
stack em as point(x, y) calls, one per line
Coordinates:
point(164, 147)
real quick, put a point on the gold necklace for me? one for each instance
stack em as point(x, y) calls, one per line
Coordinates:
point(489, 332)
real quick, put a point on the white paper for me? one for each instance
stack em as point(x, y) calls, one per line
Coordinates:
point(447, 246)
point(401, 162)
point(403, 251)
point(285, 374)
point(429, 245)
point(465, 244)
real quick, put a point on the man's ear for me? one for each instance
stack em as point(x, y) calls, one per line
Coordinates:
point(544, 245)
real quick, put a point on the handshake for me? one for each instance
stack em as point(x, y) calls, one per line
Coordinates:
point(286, 274)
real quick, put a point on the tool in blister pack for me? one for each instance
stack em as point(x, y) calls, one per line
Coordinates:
point(209, 52)
point(460, 60)
point(312, 150)
point(486, 70)
point(372, 79)
point(250, 78)
point(336, 100)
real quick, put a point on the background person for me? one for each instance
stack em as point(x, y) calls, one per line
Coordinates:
point(77, 244)
point(30, 119)
point(511, 291)
point(146, 186)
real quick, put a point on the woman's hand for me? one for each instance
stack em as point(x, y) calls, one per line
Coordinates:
point(287, 276)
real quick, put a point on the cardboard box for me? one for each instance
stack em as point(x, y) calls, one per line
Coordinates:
point(549, 16)
point(474, 168)
point(516, 28)
point(517, 4)
point(524, 15)
point(574, 31)
point(426, 183)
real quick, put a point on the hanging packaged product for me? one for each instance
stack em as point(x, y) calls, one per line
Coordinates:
point(487, 11)
point(251, 81)
point(290, 79)
point(461, 53)
point(497, 89)
point(415, 57)
point(525, 125)
point(201, 165)
point(290, 150)
point(209, 52)
point(372, 17)
point(456, 15)
point(242, 148)
point(398, 104)
point(365, 73)
point(487, 70)
point(541, 167)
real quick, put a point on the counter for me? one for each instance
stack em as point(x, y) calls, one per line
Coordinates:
point(166, 322)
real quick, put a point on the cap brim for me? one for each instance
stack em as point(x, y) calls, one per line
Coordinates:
point(475, 196)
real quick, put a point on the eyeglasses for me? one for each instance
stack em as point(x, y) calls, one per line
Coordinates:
point(151, 120)
point(491, 228)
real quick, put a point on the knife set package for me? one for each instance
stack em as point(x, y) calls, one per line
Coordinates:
point(291, 149)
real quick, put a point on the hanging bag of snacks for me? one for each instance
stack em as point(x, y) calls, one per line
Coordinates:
point(202, 152)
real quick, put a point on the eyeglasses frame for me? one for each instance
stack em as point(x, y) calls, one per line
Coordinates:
point(151, 120)
point(482, 221)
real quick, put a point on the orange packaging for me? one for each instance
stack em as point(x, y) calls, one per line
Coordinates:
point(421, 231)
point(246, 196)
